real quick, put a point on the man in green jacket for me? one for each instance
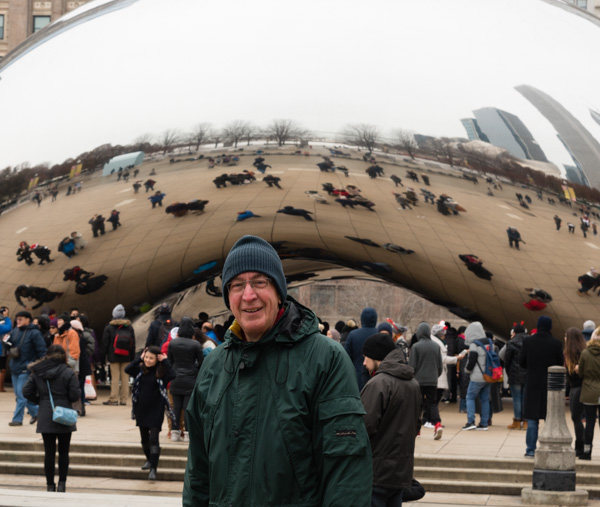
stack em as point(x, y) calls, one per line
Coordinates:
point(275, 417)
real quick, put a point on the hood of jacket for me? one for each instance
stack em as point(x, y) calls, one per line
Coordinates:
point(474, 332)
point(594, 347)
point(120, 322)
point(48, 367)
point(423, 331)
point(368, 318)
point(395, 364)
point(186, 328)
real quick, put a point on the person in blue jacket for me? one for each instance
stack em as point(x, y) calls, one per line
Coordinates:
point(5, 328)
point(30, 342)
point(356, 340)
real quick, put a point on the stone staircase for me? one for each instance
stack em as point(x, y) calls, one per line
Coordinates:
point(498, 476)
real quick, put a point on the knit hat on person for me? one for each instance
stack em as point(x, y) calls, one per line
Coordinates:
point(438, 330)
point(589, 325)
point(251, 253)
point(54, 322)
point(544, 323)
point(385, 327)
point(518, 328)
point(378, 346)
point(75, 324)
point(164, 308)
point(118, 312)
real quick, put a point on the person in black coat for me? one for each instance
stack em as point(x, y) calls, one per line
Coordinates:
point(152, 372)
point(517, 376)
point(53, 370)
point(186, 355)
point(539, 351)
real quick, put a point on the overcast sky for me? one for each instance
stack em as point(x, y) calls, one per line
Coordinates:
point(420, 66)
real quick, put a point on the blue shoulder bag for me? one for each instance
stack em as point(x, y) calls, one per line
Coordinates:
point(62, 415)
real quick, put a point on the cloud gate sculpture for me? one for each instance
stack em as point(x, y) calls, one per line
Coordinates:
point(451, 77)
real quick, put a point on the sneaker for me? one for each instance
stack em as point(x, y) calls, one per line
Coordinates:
point(186, 436)
point(122, 403)
point(469, 426)
point(15, 423)
point(437, 432)
point(481, 428)
point(529, 455)
point(175, 436)
point(428, 425)
point(113, 403)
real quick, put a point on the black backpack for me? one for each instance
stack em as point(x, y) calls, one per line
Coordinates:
point(164, 330)
point(123, 340)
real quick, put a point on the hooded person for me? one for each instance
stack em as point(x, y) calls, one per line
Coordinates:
point(539, 351)
point(159, 328)
point(186, 356)
point(478, 387)
point(244, 411)
point(516, 375)
point(588, 329)
point(392, 400)
point(118, 348)
point(426, 360)
point(356, 340)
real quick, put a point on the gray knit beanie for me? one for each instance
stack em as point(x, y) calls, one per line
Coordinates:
point(252, 253)
point(118, 312)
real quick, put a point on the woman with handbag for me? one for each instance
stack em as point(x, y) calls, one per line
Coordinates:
point(152, 372)
point(53, 383)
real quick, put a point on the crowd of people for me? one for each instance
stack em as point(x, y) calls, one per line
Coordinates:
point(270, 361)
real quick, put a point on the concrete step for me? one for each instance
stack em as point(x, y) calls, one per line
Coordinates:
point(167, 449)
point(126, 473)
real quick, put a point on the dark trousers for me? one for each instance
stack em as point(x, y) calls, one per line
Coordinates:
point(149, 436)
point(590, 421)
point(431, 412)
point(64, 442)
point(386, 497)
point(180, 402)
point(576, 412)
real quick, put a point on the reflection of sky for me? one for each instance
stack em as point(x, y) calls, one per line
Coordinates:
point(415, 65)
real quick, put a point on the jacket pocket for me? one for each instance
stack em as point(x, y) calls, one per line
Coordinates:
point(344, 432)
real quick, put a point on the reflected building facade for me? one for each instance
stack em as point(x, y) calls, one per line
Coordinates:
point(21, 18)
point(579, 142)
point(509, 132)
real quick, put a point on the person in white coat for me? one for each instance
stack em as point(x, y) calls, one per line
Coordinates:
point(438, 332)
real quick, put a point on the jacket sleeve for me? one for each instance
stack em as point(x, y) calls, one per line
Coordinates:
point(340, 438)
point(440, 365)
point(74, 389)
point(105, 343)
point(169, 371)
point(375, 405)
point(30, 391)
point(133, 368)
point(523, 355)
point(132, 348)
point(196, 480)
point(74, 349)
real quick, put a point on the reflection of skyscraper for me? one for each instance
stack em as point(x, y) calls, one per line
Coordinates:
point(509, 132)
point(473, 131)
point(595, 116)
point(580, 143)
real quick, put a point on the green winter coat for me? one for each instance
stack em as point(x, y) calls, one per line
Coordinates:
point(589, 371)
point(278, 422)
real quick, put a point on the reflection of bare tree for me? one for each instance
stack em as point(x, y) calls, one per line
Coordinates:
point(252, 132)
point(282, 131)
point(200, 134)
point(215, 136)
point(168, 140)
point(362, 135)
point(405, 140)
point(235, 131)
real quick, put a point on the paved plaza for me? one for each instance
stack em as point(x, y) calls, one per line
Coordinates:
point(110, 424)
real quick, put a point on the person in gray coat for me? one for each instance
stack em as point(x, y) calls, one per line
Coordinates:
point(478, 387)
point(52, 370)
point(426, 359)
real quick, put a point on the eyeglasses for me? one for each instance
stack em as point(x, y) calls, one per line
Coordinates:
point(239, 286)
